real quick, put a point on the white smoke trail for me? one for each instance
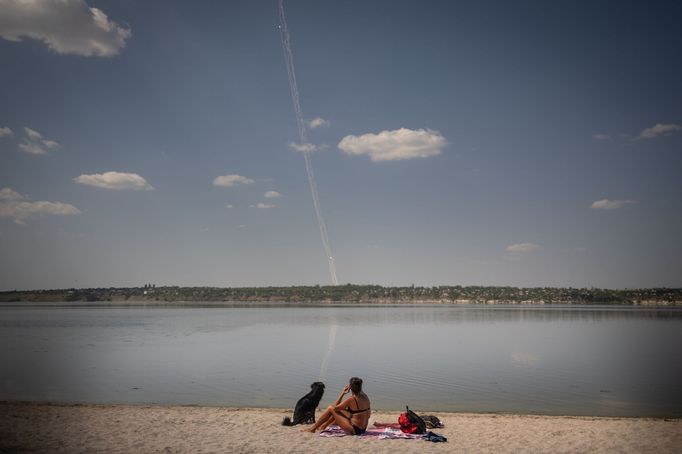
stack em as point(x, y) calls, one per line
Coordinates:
point(327, 354)
point(289, 59)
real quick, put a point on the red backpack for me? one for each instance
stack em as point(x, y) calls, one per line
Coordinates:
point(411, 423)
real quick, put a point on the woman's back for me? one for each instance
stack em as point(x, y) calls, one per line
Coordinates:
point(360, 415)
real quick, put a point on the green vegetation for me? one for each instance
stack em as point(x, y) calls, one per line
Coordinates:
point(358, 294)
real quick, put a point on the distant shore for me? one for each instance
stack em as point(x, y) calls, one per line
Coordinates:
point(362, 294)
point(35, 427)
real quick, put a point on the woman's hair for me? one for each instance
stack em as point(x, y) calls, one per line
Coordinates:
point(356, 385)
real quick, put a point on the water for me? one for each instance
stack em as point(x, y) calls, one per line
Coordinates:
point(577, 360)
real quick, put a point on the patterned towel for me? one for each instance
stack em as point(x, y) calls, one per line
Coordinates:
point(380, 432)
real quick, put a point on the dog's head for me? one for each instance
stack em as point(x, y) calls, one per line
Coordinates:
point(318, 388)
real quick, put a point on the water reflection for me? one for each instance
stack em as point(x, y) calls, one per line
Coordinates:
point(545, 359)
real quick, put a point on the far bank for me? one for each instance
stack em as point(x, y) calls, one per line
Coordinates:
point(363, 294)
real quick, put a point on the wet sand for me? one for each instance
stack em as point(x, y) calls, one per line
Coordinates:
point(29, 427)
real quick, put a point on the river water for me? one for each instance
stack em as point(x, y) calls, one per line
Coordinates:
point(575, 360)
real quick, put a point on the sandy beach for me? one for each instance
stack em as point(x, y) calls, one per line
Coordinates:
point(52, 428)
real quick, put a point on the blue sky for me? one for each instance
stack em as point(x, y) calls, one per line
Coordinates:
point(474, 143)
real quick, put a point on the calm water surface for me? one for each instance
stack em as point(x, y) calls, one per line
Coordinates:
point(577, 360)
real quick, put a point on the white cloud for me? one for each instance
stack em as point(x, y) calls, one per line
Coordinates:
point(395, 145)
point(263, 206)
point(34, 143)
point(32, 147)
point(114, 180)
point(303, 147)
point(272, 195)
point(522, 247)
point(318, 122)
point(601, 136)
point(657, 130)
point(229, 205)
point(9, 194)
point(606, 204)
point(65, 26)
point(33, 134)
point(6, 132)
point(231, 180)
point(14, 205)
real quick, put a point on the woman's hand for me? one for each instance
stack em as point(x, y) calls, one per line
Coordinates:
point(344, 391)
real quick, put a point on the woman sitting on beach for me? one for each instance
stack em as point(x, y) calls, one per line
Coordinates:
point(352, 415)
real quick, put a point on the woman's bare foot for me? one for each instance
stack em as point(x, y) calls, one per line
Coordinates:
point(309, 429)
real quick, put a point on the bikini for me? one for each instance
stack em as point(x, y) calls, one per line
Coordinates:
point(356, 429)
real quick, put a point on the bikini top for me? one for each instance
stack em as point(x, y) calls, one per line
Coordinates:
point(355, 412)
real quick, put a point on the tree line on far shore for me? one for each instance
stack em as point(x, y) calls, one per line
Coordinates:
point(357, 293)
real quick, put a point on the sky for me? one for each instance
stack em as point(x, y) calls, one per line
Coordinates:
point(453, 143)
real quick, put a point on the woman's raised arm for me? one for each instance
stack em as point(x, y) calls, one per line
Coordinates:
point(344, 391)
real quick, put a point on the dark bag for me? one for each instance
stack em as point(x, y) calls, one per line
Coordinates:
point(411, 423)
point(432, 422)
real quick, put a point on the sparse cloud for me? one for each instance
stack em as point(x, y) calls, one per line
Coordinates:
point(396, 145)
point(32, 147)
point(114, 180)
point(606, 204)
point(35, 143)
point(303, 147)
point(318, 122)
point(15, 206)
point(657, 130)
point(601, 136)
point(33, 134)
point(263, 206)
point(229, 206)
point(10, 194)
point(523, 247)
point(272, 195)
point(6, 132)
point(231, 180)
point(65, 26)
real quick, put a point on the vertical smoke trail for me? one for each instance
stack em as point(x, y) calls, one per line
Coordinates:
point(330, 346)
point(289, 59)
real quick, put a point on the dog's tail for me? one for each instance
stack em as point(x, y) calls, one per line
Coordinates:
point(287, 421)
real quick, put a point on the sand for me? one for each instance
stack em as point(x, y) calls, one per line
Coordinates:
point(39, 428)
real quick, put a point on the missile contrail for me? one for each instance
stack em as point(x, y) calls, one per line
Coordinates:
point(327, 354)
point(303, 137)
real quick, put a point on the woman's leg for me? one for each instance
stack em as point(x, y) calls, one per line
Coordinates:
point(327, 423)
point(331, 419)
point(342, 421)
point(332, 416)
point(325, 417)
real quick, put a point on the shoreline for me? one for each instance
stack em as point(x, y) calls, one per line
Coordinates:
point(373, 303)
point(66, 404)
point(56, 427)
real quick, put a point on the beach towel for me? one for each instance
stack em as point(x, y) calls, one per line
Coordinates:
point(379, 432)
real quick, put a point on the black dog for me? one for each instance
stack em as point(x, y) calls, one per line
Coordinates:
point(304, 413)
